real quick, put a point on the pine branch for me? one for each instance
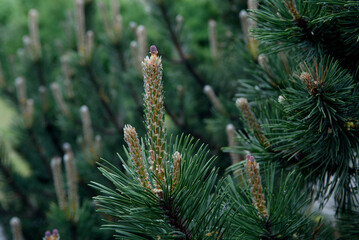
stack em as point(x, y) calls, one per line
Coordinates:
point(178, 46)
point(40, 151)
point(15, 187)
point(158, 185)
point(173, 217)
point(117, 46)
point(51, 131)
point(102, 98)
point(49, 126)
point(119, 52)
point(187, 130)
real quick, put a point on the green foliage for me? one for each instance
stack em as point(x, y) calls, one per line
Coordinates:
point(138, 213)
point(286, 203)
point(82, 228)
point(304, 96)
point(319, 27)
point(307, 127)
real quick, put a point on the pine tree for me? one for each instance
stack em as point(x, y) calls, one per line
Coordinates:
point(301, 105)
point(170, 189)
point(301, 115)
point(297, 96)
point(73, 95)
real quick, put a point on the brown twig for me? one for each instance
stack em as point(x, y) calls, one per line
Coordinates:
point(316, 230)
point(103, 99)
point(178, 46)
point(174, 218)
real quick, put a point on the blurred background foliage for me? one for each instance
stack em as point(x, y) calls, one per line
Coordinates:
point(200, 89)
point(54, 18)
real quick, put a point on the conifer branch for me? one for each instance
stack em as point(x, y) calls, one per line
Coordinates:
point(178, 46)
point(103, 98)
point(297, 18)
point(39, 150)
point(248, 115)
point(119, 52)
point(50, 128)
point(17, 190)
point(174, 218)
point(188, 130)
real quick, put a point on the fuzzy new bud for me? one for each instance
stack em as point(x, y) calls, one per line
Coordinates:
point(71, 175)
point(134, 49)
point(117, 26)
point(134, 148)
point(26, 40)
point(176, 168)
point(252, 4)
point(67, 147)
point(65, 66)
point(247, 24)
point(308, 82)
point(15, 224)
point(34, 34)
point(80, 27)
point(154, 113)
point(254, 180)
point(231, 134)
point(281, 99)
point(142, 41)
point(241, 102)
point(44, 99)
point(292, 9)
point(86, 126)
point(208, 90)
point(263, 62)
point(115, 7)
point(58, 182)
point(59, 99)
point(21, 90)
point(89, 45)
point(179, 22)
point(133, 46)
point(67, 77)
point(133, 27)
point(28, 114)
point(116, 19)
point(212, 36)
point(179, 18)
point(98, 144)
point(243, 16)
point(21, 54)
point(243, 106)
